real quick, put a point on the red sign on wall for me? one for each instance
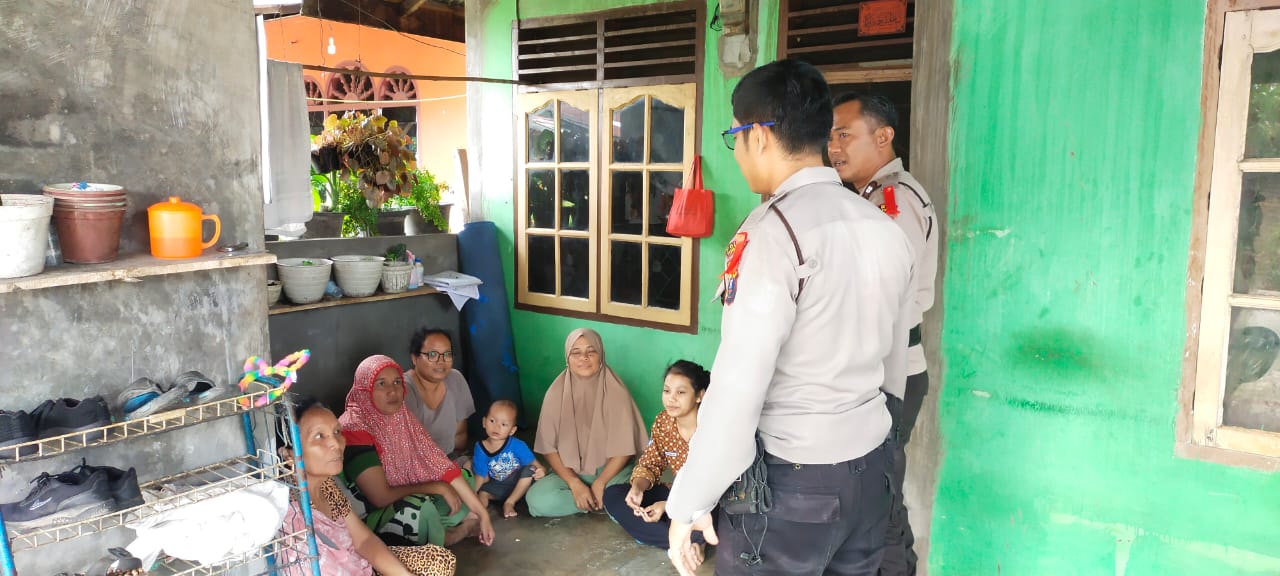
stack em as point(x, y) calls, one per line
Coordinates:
point(882, 17)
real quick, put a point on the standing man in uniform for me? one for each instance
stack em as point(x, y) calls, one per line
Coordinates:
point(861, 150)
point(816, 295)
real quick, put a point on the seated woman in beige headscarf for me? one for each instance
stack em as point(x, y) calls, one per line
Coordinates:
point(588, 432)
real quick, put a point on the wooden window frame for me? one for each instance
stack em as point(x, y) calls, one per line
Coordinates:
point(1199, 433)
point(599, 103)
point(595, 308)
point(587, 100)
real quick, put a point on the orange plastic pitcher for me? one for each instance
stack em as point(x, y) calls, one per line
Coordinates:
point(175, 229)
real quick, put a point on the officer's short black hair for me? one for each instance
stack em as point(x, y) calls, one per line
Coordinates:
point(420, 337)
point(795, 96)
point(876, 107)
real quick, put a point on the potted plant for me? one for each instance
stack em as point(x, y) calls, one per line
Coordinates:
point(374, 149)
point(304, 279)
point(326, 218)
point(24, 233)
point(396, 269)
point(358, 276)
point(425, 213)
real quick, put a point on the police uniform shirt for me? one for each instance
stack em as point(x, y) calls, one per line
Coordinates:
point(917, 218)
point(805, 372)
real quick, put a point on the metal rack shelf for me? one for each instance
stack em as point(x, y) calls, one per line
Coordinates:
point(273, 549)
point(130, 429)
point(180, 489)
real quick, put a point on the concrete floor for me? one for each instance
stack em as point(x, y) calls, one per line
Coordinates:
point(586, 544)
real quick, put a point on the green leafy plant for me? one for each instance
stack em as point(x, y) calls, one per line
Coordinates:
point(397, 253)
point(373, 149)
point(425, 197)
point(361, 218)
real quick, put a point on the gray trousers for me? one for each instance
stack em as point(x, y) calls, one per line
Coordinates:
point(827, 519)
point(899, 558)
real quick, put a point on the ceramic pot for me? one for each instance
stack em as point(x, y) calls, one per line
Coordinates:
point(24, 234)
point(395, 277)
point(304, 279)
point(358, 276)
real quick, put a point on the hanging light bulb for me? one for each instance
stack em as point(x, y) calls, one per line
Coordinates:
point(332, 49)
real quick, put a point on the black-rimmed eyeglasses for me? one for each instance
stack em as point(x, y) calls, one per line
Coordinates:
point(434, 356)
point(730, 135)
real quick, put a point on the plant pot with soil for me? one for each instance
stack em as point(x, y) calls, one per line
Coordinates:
point(24, 233)
point(358, 276)
point(304, 279)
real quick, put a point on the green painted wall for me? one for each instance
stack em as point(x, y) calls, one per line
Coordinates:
point(1073, 149)
point(638, 355)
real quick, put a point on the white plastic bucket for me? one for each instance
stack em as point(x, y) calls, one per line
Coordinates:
point(24, 234)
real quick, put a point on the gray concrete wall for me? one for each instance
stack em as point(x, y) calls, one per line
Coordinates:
point(159, 96)
point(930, 163)
point(339, 337)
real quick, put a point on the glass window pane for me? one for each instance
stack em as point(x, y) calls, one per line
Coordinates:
point(575, 200)
point(666, 138)
point(575, 136)
point(1251, 397)
point(1262, 138)
point(575, 267)
point(662, 192)
point(542, 264)
point(628, 132)
point(664, 277)
point(542, 135)
point(625, 273)
point(1258, 240)
point(542, 199)
point(627, 203)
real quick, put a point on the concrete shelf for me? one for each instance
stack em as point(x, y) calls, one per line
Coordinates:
point(130, 268)
point(286, 308)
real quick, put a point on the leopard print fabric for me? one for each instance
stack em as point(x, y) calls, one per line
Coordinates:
point(428, 560)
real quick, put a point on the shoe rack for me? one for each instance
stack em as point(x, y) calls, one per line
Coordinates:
point(181, 489)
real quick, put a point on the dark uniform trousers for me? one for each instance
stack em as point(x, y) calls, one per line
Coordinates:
point(899, 558)
point(826, 519)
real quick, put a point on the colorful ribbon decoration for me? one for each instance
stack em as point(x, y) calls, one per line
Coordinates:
point(256, 368)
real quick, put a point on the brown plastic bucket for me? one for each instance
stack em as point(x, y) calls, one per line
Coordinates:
point(88, 237)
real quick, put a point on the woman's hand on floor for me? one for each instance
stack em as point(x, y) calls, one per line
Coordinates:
point(486, 530)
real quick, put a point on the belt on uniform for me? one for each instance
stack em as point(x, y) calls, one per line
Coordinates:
point(772, 460)
point(914, 338)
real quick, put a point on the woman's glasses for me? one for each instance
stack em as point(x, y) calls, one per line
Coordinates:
point(433, 356)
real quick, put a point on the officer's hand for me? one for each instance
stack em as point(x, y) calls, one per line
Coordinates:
point(684, 554)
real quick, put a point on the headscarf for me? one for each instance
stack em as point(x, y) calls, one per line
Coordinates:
point(408, 454)
point(589, 420)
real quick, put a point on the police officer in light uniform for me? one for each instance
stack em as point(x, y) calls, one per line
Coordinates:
point(861, 150)
point(816, 312)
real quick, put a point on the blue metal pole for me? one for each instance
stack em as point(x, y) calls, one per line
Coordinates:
point(6, 554)
point(305, 496)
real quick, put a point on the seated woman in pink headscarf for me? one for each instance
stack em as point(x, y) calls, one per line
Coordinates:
point(414, 494)
point(588, 431)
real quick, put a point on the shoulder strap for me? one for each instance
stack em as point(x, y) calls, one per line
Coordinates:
point(794, 242)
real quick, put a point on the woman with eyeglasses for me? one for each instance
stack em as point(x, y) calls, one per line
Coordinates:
point(413, 493)
point(438, 395)
point(588, 431)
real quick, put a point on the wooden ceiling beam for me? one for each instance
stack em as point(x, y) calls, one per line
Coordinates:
point(418, 17)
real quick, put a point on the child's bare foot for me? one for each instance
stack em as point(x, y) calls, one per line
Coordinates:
point(509, 510)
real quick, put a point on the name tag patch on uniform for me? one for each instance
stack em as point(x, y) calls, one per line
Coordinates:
point(732, 256)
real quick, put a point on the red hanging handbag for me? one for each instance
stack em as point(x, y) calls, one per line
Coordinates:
point(693, 211)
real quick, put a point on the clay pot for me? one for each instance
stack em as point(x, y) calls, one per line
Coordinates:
point(88, 236)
